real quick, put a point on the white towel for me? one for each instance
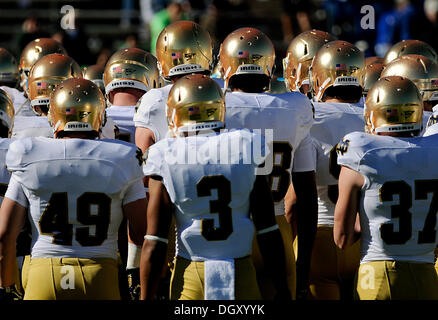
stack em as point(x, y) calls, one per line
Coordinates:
point(219, 280)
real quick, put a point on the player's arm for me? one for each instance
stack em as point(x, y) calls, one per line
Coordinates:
point(144, 138)
point(304, 184)
point(345, 227)
point(134, 210)
point(305, 208)
point(12, 218)
point(290, 209)
point(154, 251)
point(268, 235)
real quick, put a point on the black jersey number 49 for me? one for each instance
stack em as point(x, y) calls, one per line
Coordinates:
point(54, 220)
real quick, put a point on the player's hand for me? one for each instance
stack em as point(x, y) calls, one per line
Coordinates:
point(10, 293)
point(134, 283)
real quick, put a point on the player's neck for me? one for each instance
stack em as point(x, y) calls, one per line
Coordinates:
point(124, 99)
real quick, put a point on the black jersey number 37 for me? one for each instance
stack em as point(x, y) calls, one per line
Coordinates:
point(401, 211)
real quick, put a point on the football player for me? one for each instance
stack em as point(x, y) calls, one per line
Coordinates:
point(299, 57)
point(33, 51)
point(8, 69)
point(6, 121)
point(336, 79)
point(420, 70)
point(372, 74)
point(374, 60)
point(396, 200)
point(77, 190)
point(129, 73)
point(44, 76)
point(9, 80)
point(406, 47)
point(95, 74)
point(213, 198)
point(331, 79)
point(183, 48)
point(247, 58)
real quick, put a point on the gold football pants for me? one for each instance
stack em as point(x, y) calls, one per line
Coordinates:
point(332, 270)
point(72, 279)
point(436, 260)
point(396, 280)
point(264, 280)
point(187, 282)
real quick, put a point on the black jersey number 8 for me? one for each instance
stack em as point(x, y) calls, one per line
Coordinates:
point(281, 171)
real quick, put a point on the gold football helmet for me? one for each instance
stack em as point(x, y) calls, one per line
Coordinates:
point(246, 51)
point(7, 110)
point(410, 47)
point(131, 68)
point(420, 70)
point(8, 68)
point(77, 105)
point(337, 63)
point(184, 47)
point(374, 60)
point(33, 51)
point(393, 104)
point(372, 74)
point(47, 73)
point(299, 57)
point(195, 103)
point(95, 74)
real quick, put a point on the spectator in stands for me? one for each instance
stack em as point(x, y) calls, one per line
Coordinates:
point(30, 30)
point(426, 26)
point(163, 18)
point(130, 42)
point(295, 18)
point(394, 26)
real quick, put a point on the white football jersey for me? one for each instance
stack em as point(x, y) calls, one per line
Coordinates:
point(290, 117)
point(21, 104)
point(31, 127)
point(398, 209)
point(210, 191)
point(4, 173)
point(75, 190)
point(431, 126)
point(427, 115)
point(332, 122)
point(151, 113)
point(123, 117)
point(361, 103)
point(109, 129)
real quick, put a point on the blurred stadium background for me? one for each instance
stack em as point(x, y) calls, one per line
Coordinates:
point(102, 27)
